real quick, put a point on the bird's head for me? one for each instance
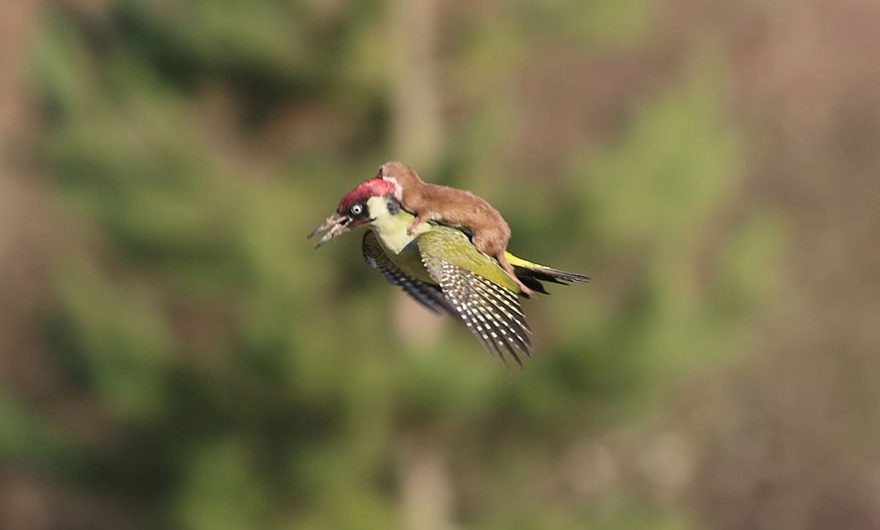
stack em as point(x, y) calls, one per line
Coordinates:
point(360, 206)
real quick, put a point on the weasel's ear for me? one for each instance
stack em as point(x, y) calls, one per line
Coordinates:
point(398, 189)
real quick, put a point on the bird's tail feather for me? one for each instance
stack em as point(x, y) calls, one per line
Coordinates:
point(532, 274)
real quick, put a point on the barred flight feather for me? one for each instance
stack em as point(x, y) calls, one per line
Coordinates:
point(492, 313)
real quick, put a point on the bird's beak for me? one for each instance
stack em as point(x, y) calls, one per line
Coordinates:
point(334, 225)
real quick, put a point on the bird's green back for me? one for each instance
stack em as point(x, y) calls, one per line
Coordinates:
point(430, 243)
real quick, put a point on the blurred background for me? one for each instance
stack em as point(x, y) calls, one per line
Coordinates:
point(174, 355)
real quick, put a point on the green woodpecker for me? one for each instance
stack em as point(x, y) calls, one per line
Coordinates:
point(440, 267)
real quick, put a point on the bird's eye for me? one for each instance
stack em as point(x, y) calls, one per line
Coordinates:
point(357, 209)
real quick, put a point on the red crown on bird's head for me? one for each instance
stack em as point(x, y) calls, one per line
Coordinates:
point(375, 187)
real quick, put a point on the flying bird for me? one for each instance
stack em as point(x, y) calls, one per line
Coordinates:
point(441, 267)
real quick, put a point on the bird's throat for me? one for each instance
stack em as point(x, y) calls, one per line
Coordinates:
point(392, 227)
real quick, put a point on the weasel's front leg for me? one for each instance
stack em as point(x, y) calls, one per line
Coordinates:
point(410, 230)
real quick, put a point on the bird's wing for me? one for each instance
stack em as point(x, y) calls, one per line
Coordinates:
point(492, 312)
point(423, 293)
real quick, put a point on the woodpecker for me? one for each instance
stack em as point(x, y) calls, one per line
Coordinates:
point(450, 206)
point(441, 268)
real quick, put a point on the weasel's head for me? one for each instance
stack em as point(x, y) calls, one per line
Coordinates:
point(401, 175)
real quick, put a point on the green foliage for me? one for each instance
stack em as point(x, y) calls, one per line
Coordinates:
point(653, 197)
point(115, 340)
point(259, 384)
point(221, 490)
point(30, 439)
point(596, 22)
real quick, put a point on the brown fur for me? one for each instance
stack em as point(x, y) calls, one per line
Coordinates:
point(454, 207)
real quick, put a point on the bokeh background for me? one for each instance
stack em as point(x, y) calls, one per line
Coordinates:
point(174, 355)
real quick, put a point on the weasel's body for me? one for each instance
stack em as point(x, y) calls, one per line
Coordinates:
point(450, 206)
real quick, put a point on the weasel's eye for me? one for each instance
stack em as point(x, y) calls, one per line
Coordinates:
point(356, 209)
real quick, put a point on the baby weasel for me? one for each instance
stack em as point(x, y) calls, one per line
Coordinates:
point(454, 207)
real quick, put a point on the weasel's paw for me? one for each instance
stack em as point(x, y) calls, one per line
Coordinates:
point(412, 228)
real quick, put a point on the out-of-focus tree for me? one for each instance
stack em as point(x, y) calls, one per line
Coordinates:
point(242, 381)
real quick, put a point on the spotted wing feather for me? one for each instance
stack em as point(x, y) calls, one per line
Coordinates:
point(491, 312)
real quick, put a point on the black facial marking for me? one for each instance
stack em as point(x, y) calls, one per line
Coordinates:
point(358, 209)
point(393, 206)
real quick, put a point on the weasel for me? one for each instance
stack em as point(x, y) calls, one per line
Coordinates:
point(454, 207)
